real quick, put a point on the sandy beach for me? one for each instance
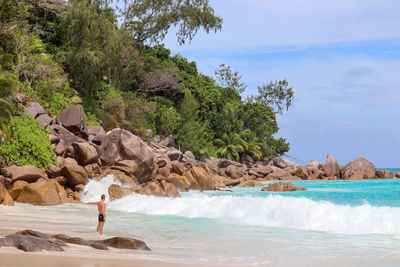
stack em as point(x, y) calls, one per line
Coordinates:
point(13, 219)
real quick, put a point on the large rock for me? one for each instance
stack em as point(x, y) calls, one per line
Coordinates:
point(28, 174)
point(235, 172)
point(200, 178)
point(5, 198)
point(29, 243)
point(360, 168)
point(223, 163)
point(122, 145)
point(314, 164)
point(85, 153)
point(16, 189)
point(74, 120)
point(280, 162)
point(178, 167)
point(6, 181)
point(162, 189)
point(175, 154)
point(34, 109)
point(280, 174)
point(168, 141)
point(262, 170)
point(301, 172)
point(282, 187)
point(331, 167)
point(250, 183)
point(384, 174)
point(96, 134)
point(397, 175)
point(96, 131)
point(125, 243)
point(74, 173)
point(45, 120)
point(179, 181)
point(117, 192)
point(44, 193)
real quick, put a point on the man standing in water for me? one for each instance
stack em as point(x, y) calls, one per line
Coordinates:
point(102, 214)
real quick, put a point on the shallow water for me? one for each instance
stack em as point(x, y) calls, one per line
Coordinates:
point(333, 223)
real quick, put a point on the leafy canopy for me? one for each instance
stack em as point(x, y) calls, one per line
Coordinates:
point(150, 20)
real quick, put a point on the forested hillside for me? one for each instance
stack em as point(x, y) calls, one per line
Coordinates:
point(113, 62)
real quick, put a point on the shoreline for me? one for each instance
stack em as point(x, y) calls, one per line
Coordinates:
point(74, 255)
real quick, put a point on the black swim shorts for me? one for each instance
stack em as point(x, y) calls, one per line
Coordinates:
point(101, 218)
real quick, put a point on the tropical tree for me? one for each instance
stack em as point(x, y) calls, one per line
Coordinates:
point(230, 145)
point(252, 144)
point(149, 20)
point(274, 94)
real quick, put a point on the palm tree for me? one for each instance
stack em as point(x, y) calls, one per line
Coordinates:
point(252, 144)
point(230, 146)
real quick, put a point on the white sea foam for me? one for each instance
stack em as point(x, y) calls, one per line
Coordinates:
point(272, 211)
point(95, 188)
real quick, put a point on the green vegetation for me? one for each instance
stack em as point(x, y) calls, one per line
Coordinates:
point(29, 145)
point(66, 52)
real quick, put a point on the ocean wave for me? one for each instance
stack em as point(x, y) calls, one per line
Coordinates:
point(272, 211)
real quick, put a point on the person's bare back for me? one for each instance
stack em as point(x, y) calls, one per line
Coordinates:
point(101, 206)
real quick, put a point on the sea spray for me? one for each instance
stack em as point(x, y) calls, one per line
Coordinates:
point(95, 188)
point(270, 210)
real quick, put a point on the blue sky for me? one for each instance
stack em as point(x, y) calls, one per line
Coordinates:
point(341, 57)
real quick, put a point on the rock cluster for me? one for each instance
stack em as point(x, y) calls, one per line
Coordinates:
point(86, 152)
point(151, 168)
point(33, 241)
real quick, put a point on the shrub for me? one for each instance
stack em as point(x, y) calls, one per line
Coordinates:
point(29, 144)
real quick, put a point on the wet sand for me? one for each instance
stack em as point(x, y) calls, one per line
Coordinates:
point(13, 219)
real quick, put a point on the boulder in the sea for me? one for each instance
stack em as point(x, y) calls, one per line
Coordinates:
point(16, 189)
point(5, 198)
point(397, 175)
point(74, 120)
point(119, 175)
point(331, 167)
point(358, 169)
point(283, 187)
point(232, 182)
point(74, 173)
point(179, 181)
point(125, 243)
point(116, 192)
point(384, 174)
point(159, 189)
point(43, 193)
point(200, 178)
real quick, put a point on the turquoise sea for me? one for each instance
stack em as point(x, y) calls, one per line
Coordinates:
point(333, 223)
